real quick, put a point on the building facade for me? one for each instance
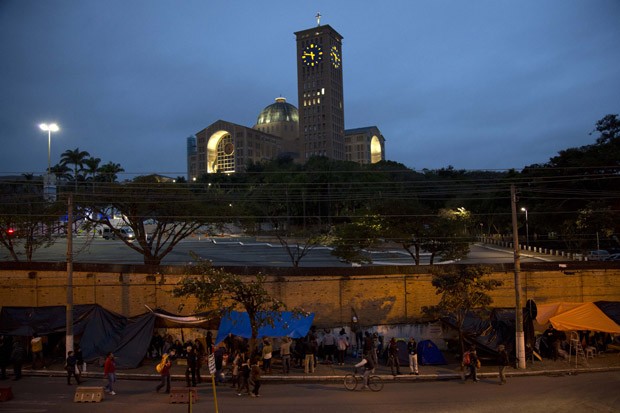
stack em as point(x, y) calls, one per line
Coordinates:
point(227, 148)
point(364, 145)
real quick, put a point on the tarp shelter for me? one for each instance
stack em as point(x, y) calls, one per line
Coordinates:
point(286, 323)
point(585, 317)
point(429, 354)
point(546, 311)
point(100, 331)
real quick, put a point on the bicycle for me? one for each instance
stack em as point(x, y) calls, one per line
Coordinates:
point(375, 383)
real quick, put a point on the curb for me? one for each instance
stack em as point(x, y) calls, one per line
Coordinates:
point(338, 378)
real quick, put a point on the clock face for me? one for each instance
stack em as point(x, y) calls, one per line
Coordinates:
point(334, 55)
point(312, 55)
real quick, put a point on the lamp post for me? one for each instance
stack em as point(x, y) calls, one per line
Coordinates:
point(49, 128)
point(527, 229)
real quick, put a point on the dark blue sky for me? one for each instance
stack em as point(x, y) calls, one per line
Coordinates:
point(487, 84)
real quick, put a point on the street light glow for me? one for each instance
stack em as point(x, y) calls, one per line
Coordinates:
point(49, 128)
point(52, 127)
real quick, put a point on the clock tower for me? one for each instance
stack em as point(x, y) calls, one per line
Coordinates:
point(320, 92)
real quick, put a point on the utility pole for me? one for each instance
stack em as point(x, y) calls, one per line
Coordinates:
point(69, 314)
point(520, 337)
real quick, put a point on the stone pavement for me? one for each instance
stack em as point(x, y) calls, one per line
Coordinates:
point(329, 372)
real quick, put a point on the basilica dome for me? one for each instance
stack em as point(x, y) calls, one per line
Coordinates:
point(278, 112)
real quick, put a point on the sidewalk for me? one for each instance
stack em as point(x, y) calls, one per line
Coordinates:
point(335, 373)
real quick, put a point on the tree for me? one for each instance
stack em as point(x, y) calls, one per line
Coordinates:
point(76, 158)
point(27, 221)
point(298, 245)
point(353, 239)
point(447, 236)
point(109, 172)
point(463, 290)
point(171, 213)
point(217, 288)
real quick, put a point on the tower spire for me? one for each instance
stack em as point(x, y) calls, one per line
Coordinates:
point(318, 19)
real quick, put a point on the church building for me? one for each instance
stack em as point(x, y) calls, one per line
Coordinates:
point(315, 128)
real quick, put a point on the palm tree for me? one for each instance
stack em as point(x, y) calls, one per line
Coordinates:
point(76, 158)
point(92, 167)
point(61, 171)
point(107, 172)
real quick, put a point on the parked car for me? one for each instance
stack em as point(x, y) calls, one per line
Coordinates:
point(612, 257)
point(597, 255)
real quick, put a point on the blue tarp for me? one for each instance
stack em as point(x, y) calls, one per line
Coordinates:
point(285, 323)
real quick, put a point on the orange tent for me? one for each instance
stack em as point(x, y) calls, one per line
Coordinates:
point(586, 316)
point(546, 311)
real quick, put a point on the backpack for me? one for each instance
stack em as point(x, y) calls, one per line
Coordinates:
point(161, 364)
point(466, 359)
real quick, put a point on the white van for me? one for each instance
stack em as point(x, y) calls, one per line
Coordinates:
point(125, 232)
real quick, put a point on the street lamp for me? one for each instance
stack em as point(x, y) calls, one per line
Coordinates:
point(49, 128)
point(527, 229)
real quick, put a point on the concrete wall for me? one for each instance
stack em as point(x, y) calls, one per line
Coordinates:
point(379, 295)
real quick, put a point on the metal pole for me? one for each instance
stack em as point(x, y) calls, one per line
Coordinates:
point(527, 231)
point(69, 316)
point(49, 151)
point(520, 337)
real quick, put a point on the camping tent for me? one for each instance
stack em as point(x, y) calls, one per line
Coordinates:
point(429, 353)
point(285, 323)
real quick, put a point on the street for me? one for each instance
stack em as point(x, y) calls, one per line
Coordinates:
point(244, 252)
point(590, 392)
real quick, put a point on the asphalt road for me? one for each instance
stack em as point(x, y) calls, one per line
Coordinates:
point(591, 392)
point(242, 252)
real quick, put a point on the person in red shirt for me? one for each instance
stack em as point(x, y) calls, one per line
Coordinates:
point(109, 372)
point(165, 371)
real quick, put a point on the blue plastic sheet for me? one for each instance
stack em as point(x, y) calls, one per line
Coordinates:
point(285, 323)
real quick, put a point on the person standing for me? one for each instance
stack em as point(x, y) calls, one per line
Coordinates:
point(285, 353)
point(236, 356)
point(71, 367)
point(5, 355)
point(79, 357)
point(166, 365)
point(343, 345)
point(502, 362)
point(329, 346)
point(190, 371)
point(244, 374)
point(267, 354)
point(393, 357)
point(255, 377)
point(17, 358)
point(109, 372)
point(412, 351)
point(200, 355)
point(309, 355)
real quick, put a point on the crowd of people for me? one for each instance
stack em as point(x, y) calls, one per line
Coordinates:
point(233, 356)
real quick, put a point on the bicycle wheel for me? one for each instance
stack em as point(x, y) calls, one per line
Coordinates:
point(350, 382)
point(375, 383)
